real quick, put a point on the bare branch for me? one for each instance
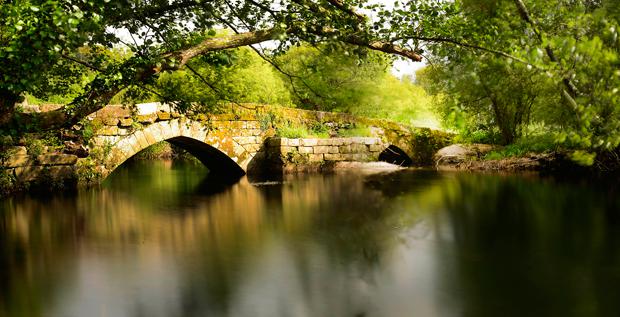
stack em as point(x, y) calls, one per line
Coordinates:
point(222, 43)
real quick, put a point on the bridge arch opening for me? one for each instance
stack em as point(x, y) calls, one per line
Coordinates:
point(219, 164)
point(218, 152)
point(221, 167)
point(395, 155)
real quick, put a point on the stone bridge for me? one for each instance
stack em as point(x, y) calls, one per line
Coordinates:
point(242, 140)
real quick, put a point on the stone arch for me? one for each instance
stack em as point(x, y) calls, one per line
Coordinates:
point(395, 155)
point(219, 152)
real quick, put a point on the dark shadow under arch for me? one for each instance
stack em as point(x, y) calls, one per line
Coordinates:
point(394, 155)
point(221, 167)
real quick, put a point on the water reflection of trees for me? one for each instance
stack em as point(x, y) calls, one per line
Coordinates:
point(532, 248)
point(318, 244)
point(339, 224)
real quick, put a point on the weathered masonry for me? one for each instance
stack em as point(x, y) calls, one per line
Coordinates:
point(291, 155)
point(230, 145)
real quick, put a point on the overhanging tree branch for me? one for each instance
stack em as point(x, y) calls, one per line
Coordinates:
point(102, 89)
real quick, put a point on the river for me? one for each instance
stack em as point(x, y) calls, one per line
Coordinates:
point(161, 239)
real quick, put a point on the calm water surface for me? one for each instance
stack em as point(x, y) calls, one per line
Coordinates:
point(160, 239)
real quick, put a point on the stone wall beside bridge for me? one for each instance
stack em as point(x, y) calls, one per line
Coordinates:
point(313, 154)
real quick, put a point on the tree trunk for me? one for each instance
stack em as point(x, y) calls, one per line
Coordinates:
point(7, 106)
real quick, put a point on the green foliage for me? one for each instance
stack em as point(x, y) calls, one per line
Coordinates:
point(343, 79)
point(266, 120)
point(244, 78)
point(583, 157)
point(556, 69)
point(426, 143)
point(293, 132)
point(319, 129)
point(288, 129)
point(362, 131)
point(35, 147)
point(89, 128)
point(87, 172)
point(100, 153)
point(155, 151)
point(35, 34)
point(7, 181)
point(542, 143)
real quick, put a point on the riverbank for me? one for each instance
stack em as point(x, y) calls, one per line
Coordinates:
point(480, 158)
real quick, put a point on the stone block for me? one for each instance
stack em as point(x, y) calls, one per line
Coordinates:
point(18, 161)
point(255, 132)
point(108, 130)
point(47, 107)
point(125, 146)
point(158, 133)
point(358, 148)
point(309, 142)
point(337, 141)
point(286, 149)
point(125, 122)
point(185, 128)
point(133, 140)
point(173, 125)
point(141, 139)
point(103, 140)
point(371, 141)
point(147, 108)
point(252, 147)
point(333, 149)
point(305, 149)
point(360, 157)
point(115, 158)
point(123, 131)
point(57, 159)
point(344, 149)
point(236, 124)
point(294, 142)
point(324, 142)
point(376, 147)
point(17, 150)
point(238, 150)
point(166, 129)
point(321, 149)
point(254, 125)
point(110, 121)
point(114, 111)
point(164, 107)
point(148, 135)
point(315, 158)
point(163, 115)
point(147, 118)
point(196, 130)
point(245, 139)
point(241, 132)
point(333, 157)
point(28, 173)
